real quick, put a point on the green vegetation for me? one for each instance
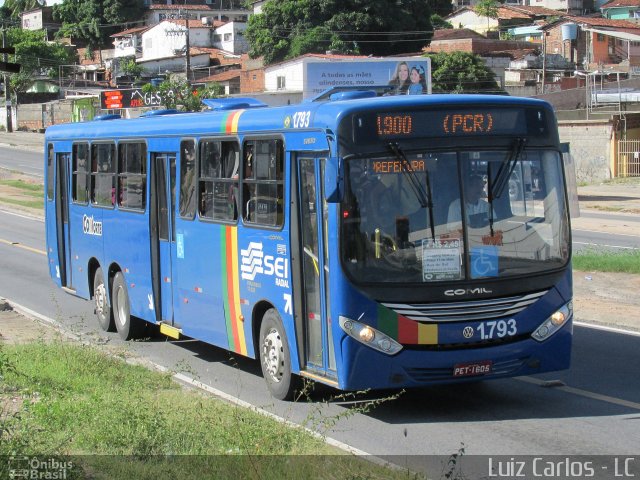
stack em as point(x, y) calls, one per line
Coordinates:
point(74, 400)
point(288, 28)
point(461, 72)
point(32, 194)
point(627, 261)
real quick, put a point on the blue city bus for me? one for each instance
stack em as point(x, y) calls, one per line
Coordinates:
point(359, 241)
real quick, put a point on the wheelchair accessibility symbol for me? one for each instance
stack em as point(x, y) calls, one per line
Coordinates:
point(484, 261)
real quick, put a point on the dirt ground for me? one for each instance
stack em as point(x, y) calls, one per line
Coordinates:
point(609, 299)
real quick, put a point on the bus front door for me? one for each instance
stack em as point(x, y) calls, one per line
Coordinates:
point(162, 228)
point(62, 218)
point(319, 348)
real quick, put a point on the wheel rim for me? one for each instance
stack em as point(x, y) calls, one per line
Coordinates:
point(121, 303)
point(100, 296)
point(273, 355)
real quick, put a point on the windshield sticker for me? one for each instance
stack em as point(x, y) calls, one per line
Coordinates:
point(441, 260)
point(484, 261)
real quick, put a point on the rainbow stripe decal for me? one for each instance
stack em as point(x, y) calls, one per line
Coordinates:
point(231, 289)
point(230, 122)
point(405, 331)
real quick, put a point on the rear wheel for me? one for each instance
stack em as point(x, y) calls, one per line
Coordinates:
point(127, 326)
point(103, 311)
point(275, 358)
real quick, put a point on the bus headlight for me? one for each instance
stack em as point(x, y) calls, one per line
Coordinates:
point(369, 336)
point(552, 324)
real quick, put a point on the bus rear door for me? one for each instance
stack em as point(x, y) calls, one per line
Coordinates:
point(162, 229)
point(319, 351)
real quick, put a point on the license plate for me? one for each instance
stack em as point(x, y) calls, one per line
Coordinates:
point(471, 369)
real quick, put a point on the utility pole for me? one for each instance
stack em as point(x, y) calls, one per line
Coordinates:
point(187, 45)
point(7, 98)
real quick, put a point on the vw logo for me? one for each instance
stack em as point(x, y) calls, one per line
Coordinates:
point(467, 332)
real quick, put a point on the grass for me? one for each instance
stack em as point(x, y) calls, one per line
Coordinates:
point(627, 261)
point(32, 193)
point(74, 400)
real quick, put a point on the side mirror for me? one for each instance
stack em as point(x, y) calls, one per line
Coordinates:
point(333, 180)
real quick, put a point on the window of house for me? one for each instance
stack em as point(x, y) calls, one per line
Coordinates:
point(228, 37)
point(600, 37)
point(103, 174)
point(132, 175)
point(80, 173)
point(281, 82)
point(262, 182)
point(219, 164)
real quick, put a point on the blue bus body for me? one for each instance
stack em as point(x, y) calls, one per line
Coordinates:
point(278, 243)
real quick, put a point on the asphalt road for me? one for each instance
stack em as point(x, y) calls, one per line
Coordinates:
point(588, 410)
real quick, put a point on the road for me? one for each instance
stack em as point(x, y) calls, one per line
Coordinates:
point(23, 161)
point(589, 409)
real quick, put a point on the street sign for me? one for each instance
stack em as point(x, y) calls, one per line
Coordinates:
point(9, 67)
point(9, 50)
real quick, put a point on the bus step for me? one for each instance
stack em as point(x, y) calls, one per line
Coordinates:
point(170, 331)
point(319, 378)
point(72, 291)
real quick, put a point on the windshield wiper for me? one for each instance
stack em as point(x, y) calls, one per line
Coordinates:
point(424, 198)
point(506, 169)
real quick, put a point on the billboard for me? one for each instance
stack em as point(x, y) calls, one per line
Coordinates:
point(128, 98)
point(408, 75)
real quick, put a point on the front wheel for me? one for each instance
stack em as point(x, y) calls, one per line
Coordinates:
point(127, 326)
point(275, 359)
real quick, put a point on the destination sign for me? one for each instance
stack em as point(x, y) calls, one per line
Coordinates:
point(444, 122)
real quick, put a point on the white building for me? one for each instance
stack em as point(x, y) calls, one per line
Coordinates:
point(230, 38)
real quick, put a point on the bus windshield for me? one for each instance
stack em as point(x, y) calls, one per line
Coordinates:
point(425, 217)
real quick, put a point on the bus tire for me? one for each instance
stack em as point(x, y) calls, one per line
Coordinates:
point(275, 359)
point(127, 326)
point(103, 311)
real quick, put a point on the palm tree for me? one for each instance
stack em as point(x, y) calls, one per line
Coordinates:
point(16, 7)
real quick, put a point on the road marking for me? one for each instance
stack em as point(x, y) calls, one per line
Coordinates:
point(21, 215)
point(607, 233)
point(608, 329)
point(24, 247)
point(604, 245)
point(583, 393)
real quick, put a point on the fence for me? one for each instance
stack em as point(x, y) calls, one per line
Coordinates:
point(628, 162)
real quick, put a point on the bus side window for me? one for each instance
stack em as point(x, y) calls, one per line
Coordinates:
point(188, 179)
point(103, 181)
point(263, 187)
point(219, 162)
point(80, 173)
point(132, 175)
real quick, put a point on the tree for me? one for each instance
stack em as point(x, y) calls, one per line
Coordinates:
point(461, 72)
point(288, 28)
point(93, 21)
point(439, 23)
point(35, 56)
point(487, 8)
point(177, 93)
point(16, 7)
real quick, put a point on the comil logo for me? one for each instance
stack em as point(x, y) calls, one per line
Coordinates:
point(252, 259)
point(90, 226)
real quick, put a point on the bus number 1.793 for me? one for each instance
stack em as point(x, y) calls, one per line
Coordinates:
point(500, 329)
point(394, 124)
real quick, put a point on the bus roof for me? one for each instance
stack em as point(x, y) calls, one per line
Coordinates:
point(306, 115)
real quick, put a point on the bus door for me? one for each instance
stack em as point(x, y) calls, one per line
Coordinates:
point(319, 348)
point(62, 217)
point(162, 228)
